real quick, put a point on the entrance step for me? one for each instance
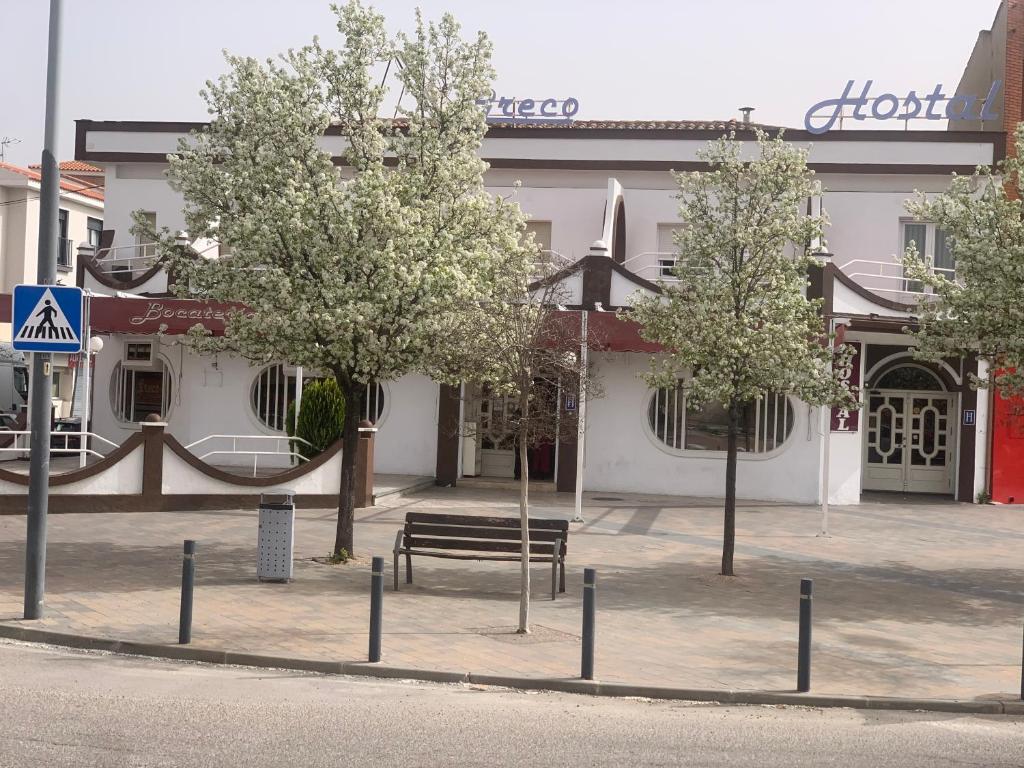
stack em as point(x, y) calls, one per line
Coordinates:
point(505, 484)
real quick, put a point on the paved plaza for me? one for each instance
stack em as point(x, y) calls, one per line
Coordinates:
point(911, 598)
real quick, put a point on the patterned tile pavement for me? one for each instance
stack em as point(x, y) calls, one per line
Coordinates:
point(911, 598)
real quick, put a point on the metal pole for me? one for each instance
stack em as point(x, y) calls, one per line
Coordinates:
point(589, 605)
point(803, 670)
point(39, 460)
point(298, 395)
point(86, 356)
point(376, 606)
point(581, 430)
point(188, 583)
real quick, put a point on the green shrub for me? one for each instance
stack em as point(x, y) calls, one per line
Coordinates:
point(321, 417)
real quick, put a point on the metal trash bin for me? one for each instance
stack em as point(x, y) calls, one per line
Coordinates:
point(277, 535)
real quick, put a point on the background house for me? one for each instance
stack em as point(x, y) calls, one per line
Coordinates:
point(80, 221)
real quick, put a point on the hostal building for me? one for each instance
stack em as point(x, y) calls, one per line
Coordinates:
point(600, 195)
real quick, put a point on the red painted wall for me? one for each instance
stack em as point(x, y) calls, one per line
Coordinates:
point(1008, 450)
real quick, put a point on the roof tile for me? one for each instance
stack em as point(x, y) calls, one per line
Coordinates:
point(67, 185)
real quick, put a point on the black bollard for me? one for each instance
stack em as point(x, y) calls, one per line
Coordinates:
point(188, 582)
point(376, 606)
point(589, 606)
point(803, 669)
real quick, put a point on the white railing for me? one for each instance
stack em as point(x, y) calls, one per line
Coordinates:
point(859, 269)
point(126, 260)
point(550, 260)
point(234, 450)
point(660, 267)
point(24, 446)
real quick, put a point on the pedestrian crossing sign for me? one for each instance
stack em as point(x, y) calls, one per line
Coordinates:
point(47, 318)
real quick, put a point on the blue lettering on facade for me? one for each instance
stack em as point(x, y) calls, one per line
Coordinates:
point(823, 116)
point(876, 111)
point(509, 109)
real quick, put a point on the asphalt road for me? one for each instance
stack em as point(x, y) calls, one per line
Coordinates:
point(65, 708)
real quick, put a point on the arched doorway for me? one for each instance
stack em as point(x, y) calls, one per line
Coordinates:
point(910, 440)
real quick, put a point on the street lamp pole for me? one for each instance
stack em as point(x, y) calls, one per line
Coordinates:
point(39, 459)
point(581, 429)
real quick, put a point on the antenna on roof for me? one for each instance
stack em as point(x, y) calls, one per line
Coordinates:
point(4, 141)
point(746, 114)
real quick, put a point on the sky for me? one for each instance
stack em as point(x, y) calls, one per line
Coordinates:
point(640, 59)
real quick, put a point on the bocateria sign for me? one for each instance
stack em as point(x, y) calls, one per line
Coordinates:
point(170, 316)
point(113, 314)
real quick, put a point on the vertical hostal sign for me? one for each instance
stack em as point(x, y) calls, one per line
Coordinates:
point(844, 419)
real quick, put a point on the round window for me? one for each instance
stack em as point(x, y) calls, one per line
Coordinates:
point(275, 389)
point(765, 423)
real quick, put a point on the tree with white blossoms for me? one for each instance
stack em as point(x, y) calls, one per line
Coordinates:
point(521, 345)
point(347, 266)
point(980, 311)
point(736, 323)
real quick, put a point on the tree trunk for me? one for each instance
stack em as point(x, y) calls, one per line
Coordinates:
point(524, 519)
point(343, 537)
point(729, 533)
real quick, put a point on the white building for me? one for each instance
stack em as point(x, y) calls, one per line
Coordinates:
point(80, 222)
point(590, 181)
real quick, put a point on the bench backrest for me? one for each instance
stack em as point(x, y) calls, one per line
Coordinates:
point(482, 534)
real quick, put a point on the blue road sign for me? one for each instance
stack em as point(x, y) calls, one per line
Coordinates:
point(570, 402)
point(47, 318)
point(970, 417)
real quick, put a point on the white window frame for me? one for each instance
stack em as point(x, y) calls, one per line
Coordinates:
point(927, 252)
point(551, 232)
point(123, 372)
point(677, 398)
point(149, 362)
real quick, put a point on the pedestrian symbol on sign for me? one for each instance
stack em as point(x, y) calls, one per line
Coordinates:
point(47, 318)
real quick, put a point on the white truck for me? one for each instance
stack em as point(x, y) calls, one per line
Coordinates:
point(13, 382)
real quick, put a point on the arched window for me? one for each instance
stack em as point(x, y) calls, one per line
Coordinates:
point(138, 391)
point(910, 377)
point(274, 390)
point(765, 423)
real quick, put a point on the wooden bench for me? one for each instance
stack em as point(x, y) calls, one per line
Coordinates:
point(468, 537)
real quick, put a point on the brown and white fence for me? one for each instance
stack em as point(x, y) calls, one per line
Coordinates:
point(151, 471)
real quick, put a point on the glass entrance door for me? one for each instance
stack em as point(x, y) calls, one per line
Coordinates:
point(909, 441)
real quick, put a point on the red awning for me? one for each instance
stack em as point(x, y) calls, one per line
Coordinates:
point(607, 331)
point(113, 314)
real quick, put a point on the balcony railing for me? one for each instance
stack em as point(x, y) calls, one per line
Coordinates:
point(660, 267)
point(64, 251)
point(126, 262)
point(888, 277)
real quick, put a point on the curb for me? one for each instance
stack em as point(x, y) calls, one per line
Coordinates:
point(399, 493)
point(558, 685)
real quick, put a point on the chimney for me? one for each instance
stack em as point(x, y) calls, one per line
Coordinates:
point(746, 114)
